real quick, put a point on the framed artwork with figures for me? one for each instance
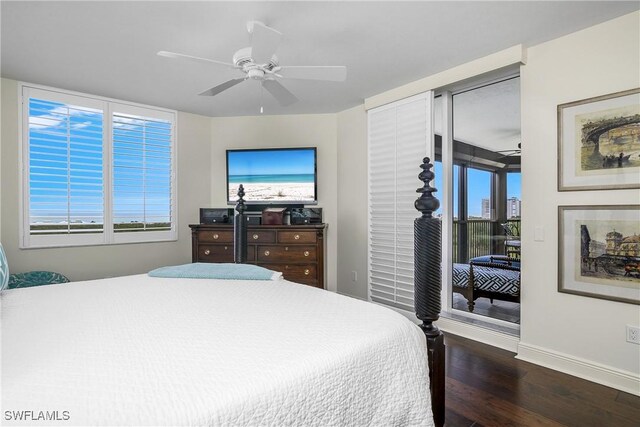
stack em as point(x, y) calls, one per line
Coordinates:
point(599, 251)
point(599, 142)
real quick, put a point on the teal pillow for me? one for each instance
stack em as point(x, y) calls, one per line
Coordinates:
point(4, 270)
point(35, 278)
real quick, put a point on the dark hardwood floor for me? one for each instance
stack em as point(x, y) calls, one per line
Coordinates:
point(487, 386)
point(503, 310)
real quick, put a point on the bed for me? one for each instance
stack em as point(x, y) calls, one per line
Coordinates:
point(141, 350)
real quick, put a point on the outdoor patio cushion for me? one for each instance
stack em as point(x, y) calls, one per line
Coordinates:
point(35, 278)
point(499, 259)
point(487, 279)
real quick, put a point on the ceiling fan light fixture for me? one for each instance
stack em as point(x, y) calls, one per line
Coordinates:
point(243, 58)
point(255, 74)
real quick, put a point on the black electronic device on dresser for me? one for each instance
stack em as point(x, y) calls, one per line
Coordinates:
point(301, 216)
point(216, 215)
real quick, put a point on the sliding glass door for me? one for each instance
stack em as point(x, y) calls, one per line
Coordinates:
point(477, 144)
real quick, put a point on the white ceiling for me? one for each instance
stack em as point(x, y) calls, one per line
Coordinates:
point(109, 48)
point(486, 117)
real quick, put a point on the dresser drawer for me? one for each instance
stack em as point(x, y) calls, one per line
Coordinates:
point(216, 236)
point(215, 253)
point(307, 274)
point(221, 253)
point(261, 236)
point(293, 253)
point(297, 237)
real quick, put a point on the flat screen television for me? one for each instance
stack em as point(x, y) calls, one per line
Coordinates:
point(279, 176)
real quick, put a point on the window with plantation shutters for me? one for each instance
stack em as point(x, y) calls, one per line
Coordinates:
point(399, 137)
point(142, 172)
point(95, 171)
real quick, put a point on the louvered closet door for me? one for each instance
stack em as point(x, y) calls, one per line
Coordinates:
point(399, 137)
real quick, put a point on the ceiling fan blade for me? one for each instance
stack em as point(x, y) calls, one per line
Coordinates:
point(221, 87)
point(279, 92)
point(334, 73)
point(264, 42)
point(166, 54)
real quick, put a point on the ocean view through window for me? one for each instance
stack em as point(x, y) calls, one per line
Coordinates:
point(95, 171)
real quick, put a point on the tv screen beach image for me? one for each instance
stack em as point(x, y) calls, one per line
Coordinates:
point(272, 175)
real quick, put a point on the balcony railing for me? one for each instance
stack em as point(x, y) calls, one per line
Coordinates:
point(477, 237)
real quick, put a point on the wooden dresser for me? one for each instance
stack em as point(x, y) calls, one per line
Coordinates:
point(295, 250)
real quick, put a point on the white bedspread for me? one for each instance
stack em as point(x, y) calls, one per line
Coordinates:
point(138, 350)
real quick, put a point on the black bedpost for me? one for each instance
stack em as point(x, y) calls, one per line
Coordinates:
point(428, 286)
point(240, 230)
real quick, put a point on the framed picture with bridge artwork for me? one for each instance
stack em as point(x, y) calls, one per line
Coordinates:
point(599, 142)
point(599, 251)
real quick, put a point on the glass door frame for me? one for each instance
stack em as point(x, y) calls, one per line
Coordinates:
point(446, 194)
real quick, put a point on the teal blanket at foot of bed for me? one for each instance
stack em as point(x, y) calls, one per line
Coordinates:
point(202, 270)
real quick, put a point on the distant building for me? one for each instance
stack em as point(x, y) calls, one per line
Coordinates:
point(486, 209)
point(623, 246)
point(513, 207)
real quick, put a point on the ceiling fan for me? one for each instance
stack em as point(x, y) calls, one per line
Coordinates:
point(259, 62)
point(508, 155)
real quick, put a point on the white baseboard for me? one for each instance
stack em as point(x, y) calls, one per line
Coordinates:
point(581, 368)
point(588, 370)
point(477, 333)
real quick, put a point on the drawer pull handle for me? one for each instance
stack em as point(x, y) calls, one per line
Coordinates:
point(266, 253)
point(207, 252)
point(286, 248)
point(297, 236)
point(255, 237)
point(215, 236)
point(306, 272)
point(306, 253)
point(226, 247)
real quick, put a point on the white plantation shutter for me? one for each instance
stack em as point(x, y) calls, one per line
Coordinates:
point(142, 171)
point(63, 161)
point(399, 137)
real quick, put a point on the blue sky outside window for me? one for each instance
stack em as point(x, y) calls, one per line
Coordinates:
point(141, 173)
point(65, 168)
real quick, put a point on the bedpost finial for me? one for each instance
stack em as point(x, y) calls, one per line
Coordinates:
point(240, 206)
point(427, 203)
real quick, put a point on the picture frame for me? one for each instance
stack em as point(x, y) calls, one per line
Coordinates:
point(599, 252)
point(599, 142)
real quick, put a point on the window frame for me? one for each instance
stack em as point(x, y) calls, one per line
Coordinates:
point(108, 106)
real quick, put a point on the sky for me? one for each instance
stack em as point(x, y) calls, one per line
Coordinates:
point(66, 164)
point(479, 187)
point(271, 162)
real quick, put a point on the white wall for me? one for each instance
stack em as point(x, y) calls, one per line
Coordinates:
point(352, 202)
point(314, 130)
point(595, 61)
point(89, 262)
point(579, 335)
